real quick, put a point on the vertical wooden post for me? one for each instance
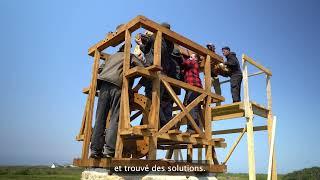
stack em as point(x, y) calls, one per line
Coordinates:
point(208, 116)
point(89, 108)
point(199, 155)
point(189, 153)
point(176, 154)
point(154, 114)
point(249, 117)
point(124, 117)
point(271, 152)
point(270, 123)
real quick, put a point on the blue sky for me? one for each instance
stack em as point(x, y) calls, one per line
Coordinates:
point(44, 66)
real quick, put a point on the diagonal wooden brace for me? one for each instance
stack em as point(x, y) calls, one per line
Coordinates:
point(183, 108)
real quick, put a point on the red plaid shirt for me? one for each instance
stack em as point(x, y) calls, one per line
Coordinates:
point(191, 72)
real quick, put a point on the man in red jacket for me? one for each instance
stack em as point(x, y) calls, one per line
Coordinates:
point(191, 76)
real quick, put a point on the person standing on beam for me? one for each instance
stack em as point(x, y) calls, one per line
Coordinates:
point(235, 73)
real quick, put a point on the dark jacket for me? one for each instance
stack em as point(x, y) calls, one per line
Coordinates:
point(233, 64)
point(166, 49)
point(113, 67)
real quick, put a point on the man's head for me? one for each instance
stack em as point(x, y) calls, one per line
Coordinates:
point(226, 51)
point(176, 53)
point(211, 47)
point(166, 25)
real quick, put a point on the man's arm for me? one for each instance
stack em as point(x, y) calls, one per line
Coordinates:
point(232, 61)
point(187, 64)
point(101, 67)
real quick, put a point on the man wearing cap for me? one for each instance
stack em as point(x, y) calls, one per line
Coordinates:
point(215, 79)
point(110, 80)
point(235, 73)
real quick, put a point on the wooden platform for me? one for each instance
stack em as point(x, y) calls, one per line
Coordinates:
point(237, 110)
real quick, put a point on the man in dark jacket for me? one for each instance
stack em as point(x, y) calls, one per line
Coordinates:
point(110, 79)
point(146, 45)
point(235, 73)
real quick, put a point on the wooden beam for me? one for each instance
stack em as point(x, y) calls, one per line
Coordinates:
point(234, 145)
point(271, 151)
point(207, 108)
point(237, 130)
point(140, 71)
point(259, 66)
point(155, 110)
point(253, 74)
point(187, 86)
point(270, 125)
point(124, 118)
point(228, 116)
point(89, 110)
point(183, 108)
point(179, 116)
point(178, 39)
point(113, 39)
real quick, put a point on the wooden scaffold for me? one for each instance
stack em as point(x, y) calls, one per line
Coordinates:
point(139, 144)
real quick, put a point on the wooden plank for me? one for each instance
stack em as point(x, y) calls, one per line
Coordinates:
point(237, 130)
point(140, 71)
point(189, 153)
point(259, 110)
point(183, 139)
point(228, 116)
point(135, 132)
point(154, 68)
point(250, 142)
point(207, 108)
point(270, 123)
point(154, 114)
point(249, 118)
point(187, 86)
point(250, 75)
point(89, 110)
point(234, 145)
point(117, 37)
point(124, 118)
point(259, 66)
point(174, 131)
point(178, 39)
point(179, 116)
point(183, 108)
point(271, 151)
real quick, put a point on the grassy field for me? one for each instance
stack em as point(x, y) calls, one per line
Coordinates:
point(46, 173)
point(39, 173)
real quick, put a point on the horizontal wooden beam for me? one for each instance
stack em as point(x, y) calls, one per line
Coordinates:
point(259, 66)
point(253, 74)
point(113, 39)
point(238, 130)
point(178, 39)
point(259, 110)
point(187, 86)
point(140, 71)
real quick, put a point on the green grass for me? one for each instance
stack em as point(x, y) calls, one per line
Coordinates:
point(46, 173)
point(39, 172)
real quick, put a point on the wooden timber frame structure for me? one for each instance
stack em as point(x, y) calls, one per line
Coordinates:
point(147, 138)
